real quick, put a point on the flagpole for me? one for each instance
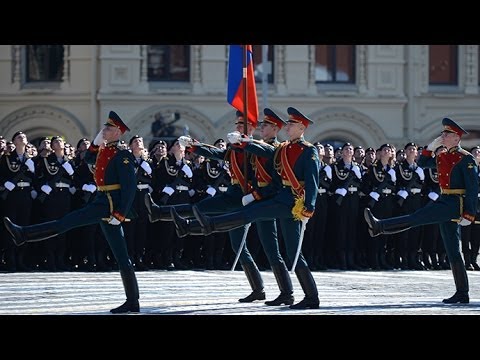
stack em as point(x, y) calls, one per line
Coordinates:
point(245, 114)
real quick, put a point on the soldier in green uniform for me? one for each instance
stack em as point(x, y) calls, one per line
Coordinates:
point(116, 184)
point(457, 205)
point(297, 168)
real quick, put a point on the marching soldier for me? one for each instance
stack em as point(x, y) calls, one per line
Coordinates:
point(232, 199)
point(457, 205)
point(297, 166)
point(115, 179)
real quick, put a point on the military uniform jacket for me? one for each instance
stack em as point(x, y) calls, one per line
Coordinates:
point(51, 172)
point(379, 179)
point(169, 173)
point(346, 177)
point(300, 156)
point(265, 184)
point(457, 170)
point(235, 158)
point(114, 166)
point(19, 172)
point(214, 173)
point(409, 178)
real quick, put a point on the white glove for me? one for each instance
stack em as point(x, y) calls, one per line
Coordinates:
point(185, 141)
point(168, 190)
point(66, 165)
point(393, 176)
point(46, 189)
point(374, 195)
point(464, 222)
point(234, 137)
point(114, 221)
point(191, 192)
point(72, 190)
point(402, 193)
point(247, 199)
point(435, 144)
point(328, 171)
point(341, 191)
point(30, 165)
point(211, 191)
point(150, 189)
point(356, 170)
point(186, 169)
point(98, 139)
point(433, 195)
point(9, 185)
point(33, 194)
point(420, 173)
point(146, 166)
point(89, 188)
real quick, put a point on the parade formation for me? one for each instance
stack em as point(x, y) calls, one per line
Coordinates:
point(293, 207)
point(103, 207)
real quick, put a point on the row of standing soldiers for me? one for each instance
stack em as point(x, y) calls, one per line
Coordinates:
point(48, 186)
point(51, 184)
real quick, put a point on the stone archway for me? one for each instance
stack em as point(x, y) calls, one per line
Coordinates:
point(345, 123)
point(43, 120)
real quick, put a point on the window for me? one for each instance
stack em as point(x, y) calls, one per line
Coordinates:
point(168, 62)
point(335, 64)
point(443, 64)
point(258, 66)
point(44, 63)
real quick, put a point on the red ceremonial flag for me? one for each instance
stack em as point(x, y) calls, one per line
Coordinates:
point(236, 82)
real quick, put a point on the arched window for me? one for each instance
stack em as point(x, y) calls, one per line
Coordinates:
point(44, 63)
point(259, 67)
point(443, 64)
point(168, 62)
point(335, 64)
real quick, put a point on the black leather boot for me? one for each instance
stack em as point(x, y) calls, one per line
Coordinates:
point(30, 233)
point(256, 283)
point(220, 223)
point(310, 301)
point(131, 290)
point(285, 285)
point(387, 226)
point(185, 227)
point(162, 213)
point(461, 284)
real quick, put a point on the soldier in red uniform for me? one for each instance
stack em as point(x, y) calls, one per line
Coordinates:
point(457, 205)
point(117, 185)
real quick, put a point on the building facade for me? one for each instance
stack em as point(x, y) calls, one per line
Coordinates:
point(365, 94)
